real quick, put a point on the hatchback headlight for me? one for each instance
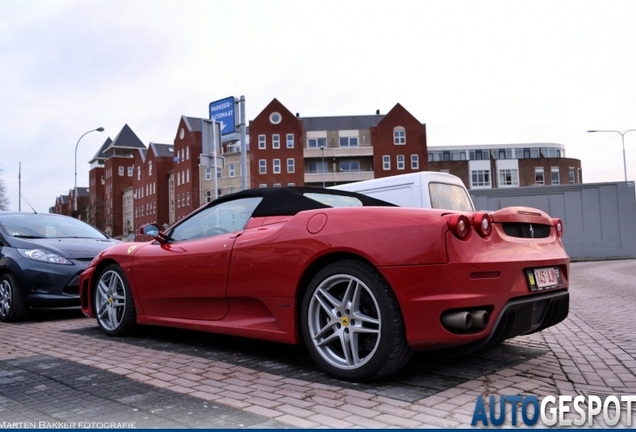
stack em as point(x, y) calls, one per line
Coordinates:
point(44, 256)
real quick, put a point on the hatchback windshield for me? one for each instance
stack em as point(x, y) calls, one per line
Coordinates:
point(47, 226)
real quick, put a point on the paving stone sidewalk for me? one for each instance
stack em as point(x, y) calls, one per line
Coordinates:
point(60, 368)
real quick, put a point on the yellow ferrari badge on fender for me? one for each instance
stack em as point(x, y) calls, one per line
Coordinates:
point(131, 249)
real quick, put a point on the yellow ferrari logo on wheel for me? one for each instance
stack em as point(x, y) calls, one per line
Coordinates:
point(344, 321)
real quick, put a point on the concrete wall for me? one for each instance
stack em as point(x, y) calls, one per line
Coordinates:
point(599, 218)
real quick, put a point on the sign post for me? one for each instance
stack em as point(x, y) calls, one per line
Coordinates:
point(211, 148)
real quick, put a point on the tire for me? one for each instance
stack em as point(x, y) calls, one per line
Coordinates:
point(12, 306)
point(352, 324)
point(114, 305)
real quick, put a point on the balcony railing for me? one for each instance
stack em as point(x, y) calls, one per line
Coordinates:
point(339, 177)
point(332, 152)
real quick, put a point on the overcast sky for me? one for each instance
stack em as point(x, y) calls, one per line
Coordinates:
point(476, 72)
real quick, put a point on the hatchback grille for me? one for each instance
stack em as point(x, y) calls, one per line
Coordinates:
point(525, 230)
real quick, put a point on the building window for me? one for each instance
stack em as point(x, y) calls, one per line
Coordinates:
point(400, 162)
point(262, 144)
point(188, 175)
point(435, 156)
point(508, 177)
point(276, 166)
point(415, 162)
point(290, 141)
point(399, 136)
point(316, 167)
point(539, 178)
point(291, 166)
point(232, 170)
point(121, 171)
point(208, 173)
point(219, 172)
point(138, 173)
point(571, 175)
point(386, 163)
point(275, 118)
point(348, 141)
point(187, 156)
point(350, 166)
point(276, 141)
point(480, 178)
point(130, 171)
point(208, 195)
point(188, 197)
point(316, 142)
point(555, 175)
point(149, 168)
point(262, 166)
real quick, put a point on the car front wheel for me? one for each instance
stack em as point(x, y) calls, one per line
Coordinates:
point(114, 306)
point(352, 324)
point(12, 307)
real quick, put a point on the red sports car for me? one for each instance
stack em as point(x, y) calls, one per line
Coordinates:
point(361, 282)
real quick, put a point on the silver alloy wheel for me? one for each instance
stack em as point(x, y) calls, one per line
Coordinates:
point(344, 321)
point(110, 301)
point(5, 298)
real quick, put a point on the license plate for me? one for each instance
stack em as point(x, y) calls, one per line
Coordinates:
point(543, 278)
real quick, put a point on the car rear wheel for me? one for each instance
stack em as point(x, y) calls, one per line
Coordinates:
point(12, 307)
point(352, 324)
point(114, 306)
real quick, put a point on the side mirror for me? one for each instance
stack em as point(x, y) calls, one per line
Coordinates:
point(152, 230)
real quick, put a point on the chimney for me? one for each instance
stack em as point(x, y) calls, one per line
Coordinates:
point(377, 112)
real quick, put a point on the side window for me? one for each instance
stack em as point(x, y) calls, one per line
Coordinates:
point(226, 217)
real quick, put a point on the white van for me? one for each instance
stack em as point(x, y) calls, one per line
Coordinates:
point(425, 189)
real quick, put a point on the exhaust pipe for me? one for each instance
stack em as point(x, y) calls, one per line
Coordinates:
point(457, 320)
point(464, 320)
point(480, 318)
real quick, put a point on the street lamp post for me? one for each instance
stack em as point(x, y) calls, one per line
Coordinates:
point(622, 134)
point(322, 149)
point(99, 129)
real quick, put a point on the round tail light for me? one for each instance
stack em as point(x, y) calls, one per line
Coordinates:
point(558, 225)
point(483, 224)
point(459, 226)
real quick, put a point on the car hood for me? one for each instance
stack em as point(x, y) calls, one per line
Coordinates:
point(73, 248)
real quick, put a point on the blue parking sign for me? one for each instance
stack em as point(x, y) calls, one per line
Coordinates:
point(222, 111)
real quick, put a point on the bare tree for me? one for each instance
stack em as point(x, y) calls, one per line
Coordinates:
point(4, 199)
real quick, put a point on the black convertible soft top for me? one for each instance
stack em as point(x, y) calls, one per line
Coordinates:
point(287, 201)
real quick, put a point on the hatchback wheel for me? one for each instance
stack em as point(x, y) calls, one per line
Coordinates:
point(12, 307)
point(352, 324)
point(114, 306)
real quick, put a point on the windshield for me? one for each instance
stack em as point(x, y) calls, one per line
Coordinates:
point(449, 197)
point(47, 226)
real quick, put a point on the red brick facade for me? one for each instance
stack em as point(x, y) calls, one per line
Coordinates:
point(187, 150)
point(269, 143)
point(401, 138)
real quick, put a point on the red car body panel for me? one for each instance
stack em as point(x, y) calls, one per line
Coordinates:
point(249, 283)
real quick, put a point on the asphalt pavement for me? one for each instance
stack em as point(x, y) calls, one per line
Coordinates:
point(58, 370)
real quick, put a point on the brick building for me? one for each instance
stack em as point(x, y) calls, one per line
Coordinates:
point(187, 149)
point(287, 149)
point(507, 165)
point(150, 186)
point(118, 176)
point(96, 178)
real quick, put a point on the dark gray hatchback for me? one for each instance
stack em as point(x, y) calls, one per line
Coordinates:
point(41, 258)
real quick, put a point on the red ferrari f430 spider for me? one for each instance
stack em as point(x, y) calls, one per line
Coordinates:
point(361, 282)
